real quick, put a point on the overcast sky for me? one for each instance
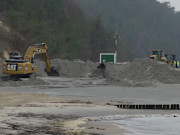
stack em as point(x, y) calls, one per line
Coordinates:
point(174, 3)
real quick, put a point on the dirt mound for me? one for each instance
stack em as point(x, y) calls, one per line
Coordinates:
point(67, 68)
point(142, 72)
point(40, 70)
point(74, 68)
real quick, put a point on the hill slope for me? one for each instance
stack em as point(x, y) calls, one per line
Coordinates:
point(141, 24)
point(8, 38)
point(59, 23)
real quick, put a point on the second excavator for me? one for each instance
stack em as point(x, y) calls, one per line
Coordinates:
point(24, 66)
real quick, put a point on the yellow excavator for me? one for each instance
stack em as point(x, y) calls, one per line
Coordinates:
point(158, 54)
point(20, 66)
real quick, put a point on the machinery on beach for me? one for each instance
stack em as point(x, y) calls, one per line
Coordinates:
point(24, 66)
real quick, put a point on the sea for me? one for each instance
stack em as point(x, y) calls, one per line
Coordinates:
point(146, 124)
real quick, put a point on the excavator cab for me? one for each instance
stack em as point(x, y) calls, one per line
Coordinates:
point(170, 58)
point(158, 54)
point(13, 55)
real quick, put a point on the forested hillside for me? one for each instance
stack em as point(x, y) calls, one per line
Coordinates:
point(59, 23)
point(83, 28)
point(141, 24)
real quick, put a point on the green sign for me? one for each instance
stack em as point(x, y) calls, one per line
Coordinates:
point(108, 57)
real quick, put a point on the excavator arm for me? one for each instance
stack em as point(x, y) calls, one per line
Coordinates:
point(40, 49)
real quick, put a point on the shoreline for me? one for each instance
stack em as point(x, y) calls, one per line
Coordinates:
point(43, 114)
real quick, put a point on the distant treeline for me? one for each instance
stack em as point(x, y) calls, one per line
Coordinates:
point(141, 24)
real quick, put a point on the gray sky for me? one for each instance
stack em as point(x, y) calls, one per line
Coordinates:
point(174, 3)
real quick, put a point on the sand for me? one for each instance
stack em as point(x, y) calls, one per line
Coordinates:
point(142, 72)
point(41, 114)
point(84, 95)
point(139, 73)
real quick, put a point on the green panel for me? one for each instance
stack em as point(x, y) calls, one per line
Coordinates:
point(107, 58)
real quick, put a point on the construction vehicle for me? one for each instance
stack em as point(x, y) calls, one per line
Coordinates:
point(170, 59)
point(158, 54)
point(20, 66)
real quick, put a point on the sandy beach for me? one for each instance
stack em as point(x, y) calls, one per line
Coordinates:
point(79, 111)
point(42, 114)
point(81, 102)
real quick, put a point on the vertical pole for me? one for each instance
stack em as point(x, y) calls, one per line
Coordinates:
point(115, 57)
point(116, 45)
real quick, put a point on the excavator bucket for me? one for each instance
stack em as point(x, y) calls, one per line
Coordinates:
point(53, 72)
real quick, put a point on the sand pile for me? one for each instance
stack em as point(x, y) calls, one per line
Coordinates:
point(74, 68)
point(67, 68)
point(142, 72)
point(41, 65)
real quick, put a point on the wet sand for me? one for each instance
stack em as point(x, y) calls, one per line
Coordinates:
point(41, 114)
